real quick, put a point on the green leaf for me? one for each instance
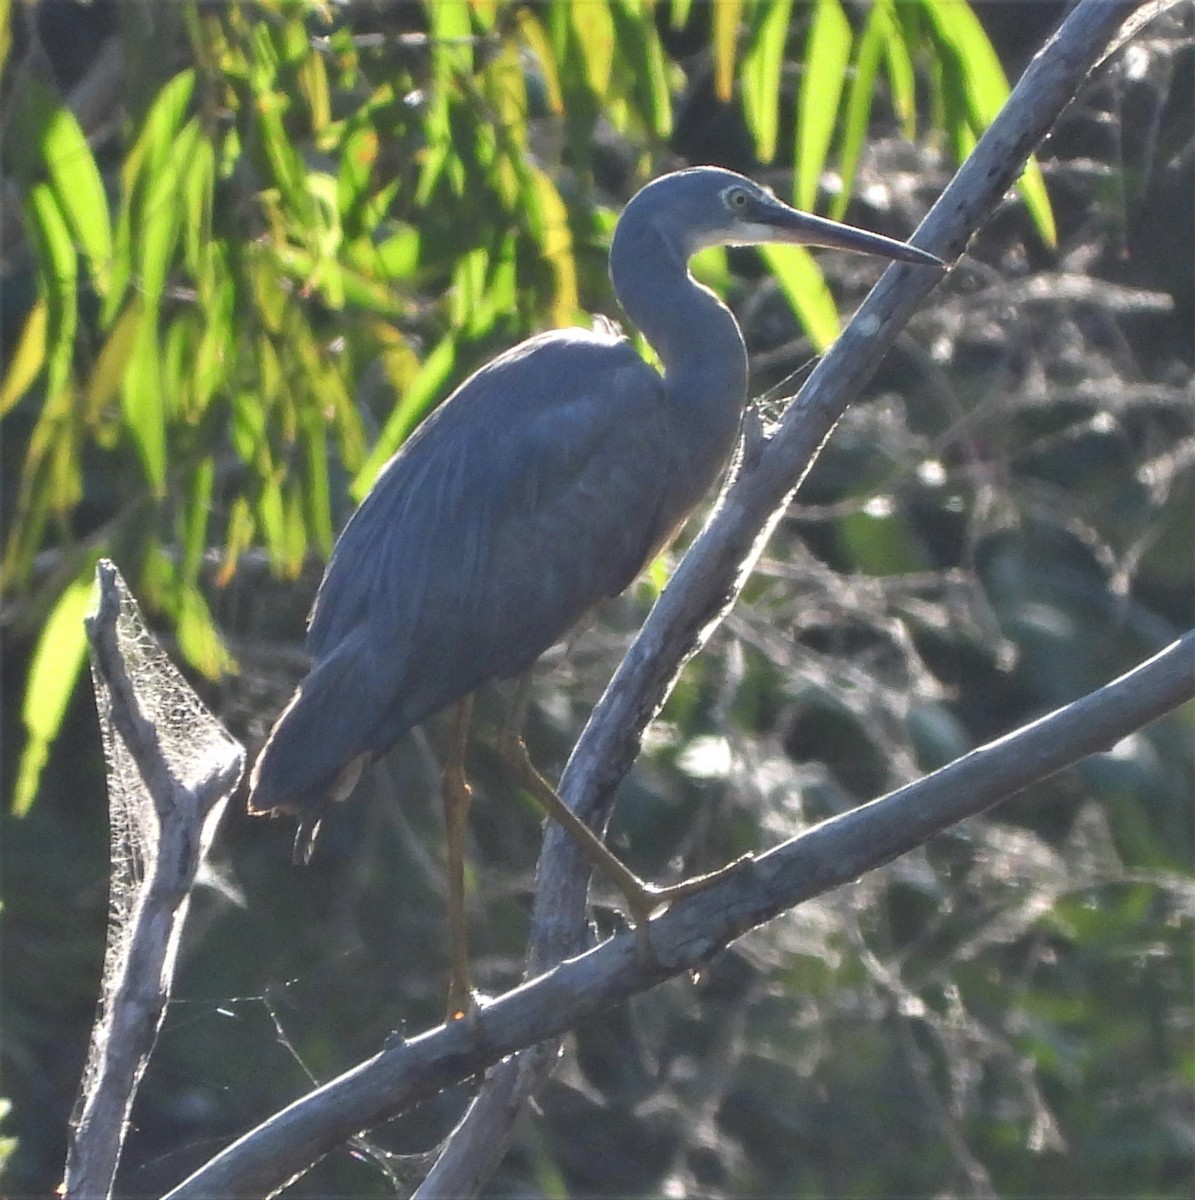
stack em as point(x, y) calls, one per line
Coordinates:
point(468, 287)
point(727, 15)
point(504, 85)
point(143, 404)
point(485, 288)
point(57, 276)
point(238, 537)
point(593, 27)
point(958, 29)
point(358, 155)
point(984, 89)
point(161, 216)
point(177, 355)
point(451, 31)
point(335, 283)
point(548, 218)
point(397, 256)
point(313, 83)
point(50, 482)
point(761, 74)
point(53, 672)
point(162, 122)
point(804, 287)
point(434, 161)
point(44, 146)
point(215, 358)
point(79, 189)
point(287, 170)
point(711, 266)
point(858, 105)
point(827, 53)
point(452, 63)
point(198, 638)
point(680, 12)
point(142, 166)
point(103, 385)
point(194, 518)
point(198, 187)
point(5, 46)
point(485, 13)
point(27, 359)
point(318, 493)
point(656, 577)
point(325, 237)
point(536, 40)
point(295, 527)
point(902, 82)
point(642, 58)
point(272, 521)
point(1032, 185)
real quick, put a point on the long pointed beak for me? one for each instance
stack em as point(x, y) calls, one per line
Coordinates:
point(786, 224)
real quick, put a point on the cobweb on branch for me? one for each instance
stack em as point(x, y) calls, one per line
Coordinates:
point(171, 767)
point(192, 742)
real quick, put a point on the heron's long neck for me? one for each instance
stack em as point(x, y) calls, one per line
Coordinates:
point(695, 335)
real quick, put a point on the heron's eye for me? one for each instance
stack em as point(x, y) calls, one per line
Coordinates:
point(737, 199)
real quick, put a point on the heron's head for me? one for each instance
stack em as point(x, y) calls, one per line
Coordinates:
point(710, 206)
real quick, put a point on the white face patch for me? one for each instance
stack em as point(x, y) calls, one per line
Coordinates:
point(754, 233)
point(748, 233)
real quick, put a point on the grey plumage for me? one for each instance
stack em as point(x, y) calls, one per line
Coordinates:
point(542, 485)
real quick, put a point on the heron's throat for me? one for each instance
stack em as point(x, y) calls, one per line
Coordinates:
point(693, 332)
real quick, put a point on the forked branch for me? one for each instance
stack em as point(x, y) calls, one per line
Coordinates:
point(684, 937)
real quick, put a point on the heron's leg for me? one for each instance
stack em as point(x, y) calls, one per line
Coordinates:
point(456, 795)
point(643, 899)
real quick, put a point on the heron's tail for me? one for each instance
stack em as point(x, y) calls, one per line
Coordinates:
point(318, 747)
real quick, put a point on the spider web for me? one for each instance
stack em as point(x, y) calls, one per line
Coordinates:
point(194, 745)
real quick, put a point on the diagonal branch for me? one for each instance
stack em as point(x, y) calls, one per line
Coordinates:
point(835, 852)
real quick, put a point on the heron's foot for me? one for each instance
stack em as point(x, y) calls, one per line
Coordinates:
point(664, 896)
point(652, 898)
point(643, 899)
point(647, 899)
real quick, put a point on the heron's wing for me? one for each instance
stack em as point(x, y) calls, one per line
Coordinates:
point(541, 486)
point(535, 491)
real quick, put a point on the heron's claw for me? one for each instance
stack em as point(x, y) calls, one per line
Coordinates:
point(646, 900)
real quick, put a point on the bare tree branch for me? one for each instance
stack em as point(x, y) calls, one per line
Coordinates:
point(684, 937)
point(166, 832)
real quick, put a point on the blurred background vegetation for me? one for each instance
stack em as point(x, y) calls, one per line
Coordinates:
point(246, 247)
